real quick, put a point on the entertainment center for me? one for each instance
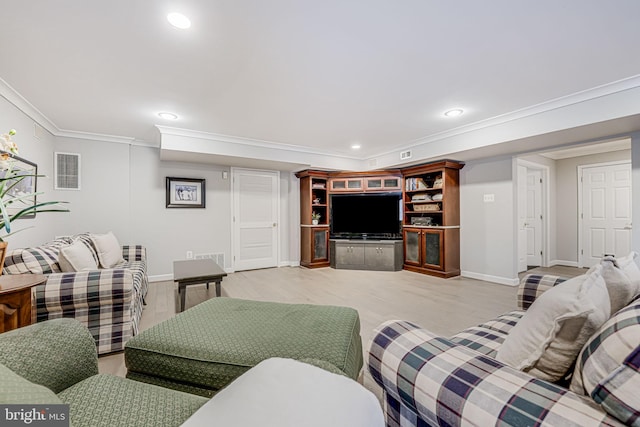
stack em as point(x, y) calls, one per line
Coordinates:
point(382, 220)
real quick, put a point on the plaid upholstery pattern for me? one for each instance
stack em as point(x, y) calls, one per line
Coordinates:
point(619, 392)
point(533, 285)
point(39, 260)
point(109, 302)
point(489, 336)
point(429, 380)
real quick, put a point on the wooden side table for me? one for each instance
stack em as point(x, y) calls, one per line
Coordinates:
point(15, 299)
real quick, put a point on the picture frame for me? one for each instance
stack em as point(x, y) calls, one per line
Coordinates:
point(27, 185)
point(185, 192)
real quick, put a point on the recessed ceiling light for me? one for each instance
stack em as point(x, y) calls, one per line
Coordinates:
point(167, 116)
point(454, 113)
point(178, 20)
point(355, 147)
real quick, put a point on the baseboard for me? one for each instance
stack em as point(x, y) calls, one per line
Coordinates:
point(563, 263)
point(289, 264)
point(490, 278)
point(161, 278)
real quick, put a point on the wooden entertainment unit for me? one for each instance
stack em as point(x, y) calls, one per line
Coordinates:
point(430, 219)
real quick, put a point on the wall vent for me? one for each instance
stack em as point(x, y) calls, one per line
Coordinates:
point(405, 155)
point(67, 171)
point(373, 163)
point(217, 257)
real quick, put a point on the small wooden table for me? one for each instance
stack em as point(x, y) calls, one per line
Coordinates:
point(196, 271)
point(15, 299)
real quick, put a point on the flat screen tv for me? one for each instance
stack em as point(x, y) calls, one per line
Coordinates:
point(366, 216)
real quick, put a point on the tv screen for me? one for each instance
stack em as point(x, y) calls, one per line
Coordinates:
point(361, 216)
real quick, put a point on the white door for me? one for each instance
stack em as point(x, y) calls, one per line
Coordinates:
point(606, 212)
point(522, 218)
point(255, 218)
point(533, 225)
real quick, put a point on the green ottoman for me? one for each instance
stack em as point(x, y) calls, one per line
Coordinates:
point(206, 347)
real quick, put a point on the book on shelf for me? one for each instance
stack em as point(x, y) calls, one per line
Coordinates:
point(412, 184)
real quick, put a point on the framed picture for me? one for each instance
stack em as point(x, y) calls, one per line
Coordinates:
point(23, 187)
point(185, 193)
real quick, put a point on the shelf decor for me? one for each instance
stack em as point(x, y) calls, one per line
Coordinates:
point(185, 193)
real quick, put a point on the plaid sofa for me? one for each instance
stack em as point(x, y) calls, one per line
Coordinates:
point(108, 302)
point(430, 380)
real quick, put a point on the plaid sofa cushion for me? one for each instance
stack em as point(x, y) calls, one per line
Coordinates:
point(534, 285)
point(38, 260)
point(429, 380)
point(488, 337)
point(606, 351)
point(619, 393)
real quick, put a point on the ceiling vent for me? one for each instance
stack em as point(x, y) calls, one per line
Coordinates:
point(67, 171)
point(405, 155)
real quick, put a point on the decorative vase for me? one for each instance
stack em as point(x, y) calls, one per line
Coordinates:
point(3, 253)
point(313, 221)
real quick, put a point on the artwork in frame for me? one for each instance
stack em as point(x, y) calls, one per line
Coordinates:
point(185, 192)
point(22, 191)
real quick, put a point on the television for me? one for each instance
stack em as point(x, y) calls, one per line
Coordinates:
point(366, 216)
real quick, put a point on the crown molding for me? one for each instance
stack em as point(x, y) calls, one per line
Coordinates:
point(554, 104)
point(20, 102)
point(188, 133)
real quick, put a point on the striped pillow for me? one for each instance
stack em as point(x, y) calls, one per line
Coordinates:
point(604, 355)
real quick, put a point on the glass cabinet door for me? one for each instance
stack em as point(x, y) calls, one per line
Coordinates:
point(320, 244)
point(412, 246)
point(432, 241)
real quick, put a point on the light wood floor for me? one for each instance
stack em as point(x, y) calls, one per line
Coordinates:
point(444, 306)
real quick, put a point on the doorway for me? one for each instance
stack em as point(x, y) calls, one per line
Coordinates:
point(532, 216)
point(255, 215)
point(605, 201)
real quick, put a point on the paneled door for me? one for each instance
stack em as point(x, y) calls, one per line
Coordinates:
point(255, 218)
point(606, 212)
point(533, 225)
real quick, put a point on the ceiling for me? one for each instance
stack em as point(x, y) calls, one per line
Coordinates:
point(321, 75)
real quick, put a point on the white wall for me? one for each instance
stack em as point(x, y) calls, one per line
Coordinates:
point(39, 151)
point(487, 230)
point(567, 201)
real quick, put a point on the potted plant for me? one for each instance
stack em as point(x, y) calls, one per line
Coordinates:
point(15, 204)
point(315, 218)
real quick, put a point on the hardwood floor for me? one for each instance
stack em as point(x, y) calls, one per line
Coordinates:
point(444, 306)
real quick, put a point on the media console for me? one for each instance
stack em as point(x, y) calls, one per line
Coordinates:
point(379, 255)
point(382, 220)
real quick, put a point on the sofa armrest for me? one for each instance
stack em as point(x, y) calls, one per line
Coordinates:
point(56, 354)
point(83, 289)
point(442, 383)
point(533, 285)
point(134, 253)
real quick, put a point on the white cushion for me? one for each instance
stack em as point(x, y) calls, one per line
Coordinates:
point(76, 257)
point(108, 248)
point(548, 338)
point(622, 277)
point(287, 393)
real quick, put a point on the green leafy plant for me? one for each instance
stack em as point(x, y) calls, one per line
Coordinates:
point(15, 204)
point(316, 216)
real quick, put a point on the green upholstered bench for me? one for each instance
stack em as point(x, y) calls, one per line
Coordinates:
point(206, 347)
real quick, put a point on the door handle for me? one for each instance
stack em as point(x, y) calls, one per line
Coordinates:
point(628, 226)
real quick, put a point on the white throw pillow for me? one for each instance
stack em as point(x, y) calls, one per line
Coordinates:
point(108, 248)
point(622, 277)
point(284, 392)
point(76, 257)
point(548, 338)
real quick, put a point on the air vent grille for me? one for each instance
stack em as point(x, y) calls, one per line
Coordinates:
point(217, 257)
point(405, 155)
point(67, 171)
